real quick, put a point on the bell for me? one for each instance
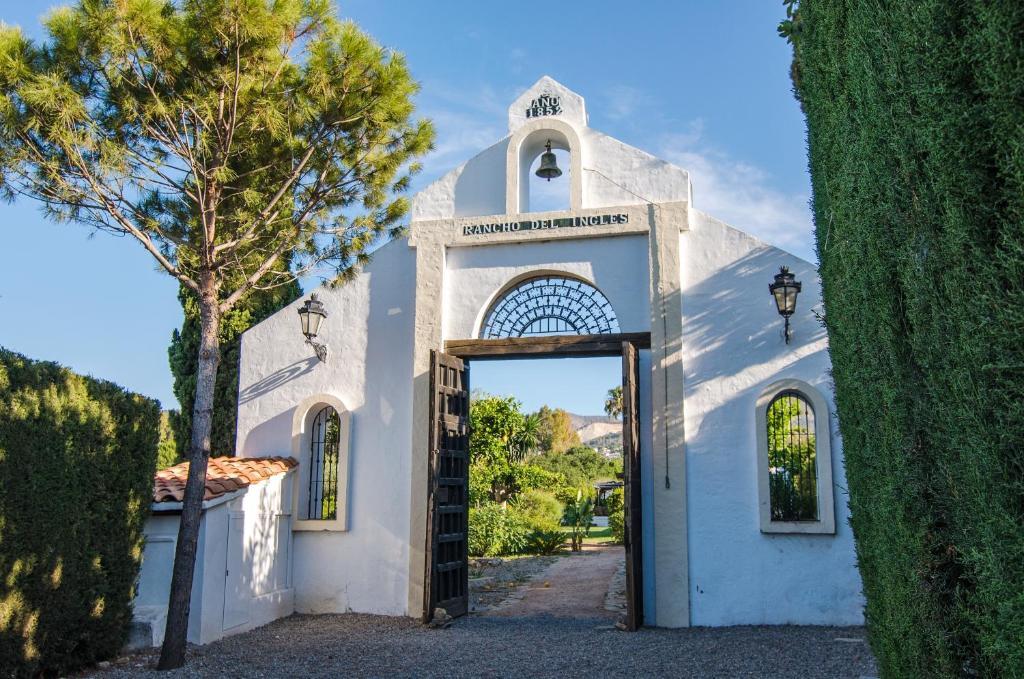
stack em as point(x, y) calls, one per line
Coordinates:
point(548, 165)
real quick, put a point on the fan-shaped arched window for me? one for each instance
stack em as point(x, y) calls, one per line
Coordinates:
point(550, 305)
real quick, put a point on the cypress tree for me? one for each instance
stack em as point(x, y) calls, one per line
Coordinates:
point(183, 355)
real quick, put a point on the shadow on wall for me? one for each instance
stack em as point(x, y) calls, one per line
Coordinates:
point(269, 544)
point(480, 187)
point(731, 314)
point(276, 379)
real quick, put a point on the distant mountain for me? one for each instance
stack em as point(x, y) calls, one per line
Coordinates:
point(596, 430)
point(580, 421)
point(600, 432)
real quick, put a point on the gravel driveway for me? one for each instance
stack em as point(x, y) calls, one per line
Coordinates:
point(356, 645)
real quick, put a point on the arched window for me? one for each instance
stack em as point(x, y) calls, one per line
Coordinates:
point(549, 305)
point(324, 444)
point(794, 460)
point(792, 472)
point(320, 442)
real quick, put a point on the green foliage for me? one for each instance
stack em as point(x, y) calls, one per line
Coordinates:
point(221, 134)
point(580, 466)
point(555, 431)
point(183, 354)
point(545, 540)
point(242, 143)
point(792, 464)
point(579, 513)
point(917, 162)
point(613, 402)
point(497, 530)
point(617, 516)
point(530, 476)
point(167, 449)
point(502, 436)
point(513, 508)
point(76, 476)
point(540, 507)
point(501, 432)
point(528, 525)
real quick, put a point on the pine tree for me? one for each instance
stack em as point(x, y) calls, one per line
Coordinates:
point(227, 137)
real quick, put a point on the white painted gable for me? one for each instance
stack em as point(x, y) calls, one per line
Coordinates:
point(530, 105)
point(604, 171)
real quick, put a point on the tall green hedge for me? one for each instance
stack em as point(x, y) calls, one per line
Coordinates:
point(915, 114)
point(77, 457)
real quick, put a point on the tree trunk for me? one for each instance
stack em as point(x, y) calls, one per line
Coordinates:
point(172, 654)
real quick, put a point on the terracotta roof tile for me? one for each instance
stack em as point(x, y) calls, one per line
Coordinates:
point(223, 475)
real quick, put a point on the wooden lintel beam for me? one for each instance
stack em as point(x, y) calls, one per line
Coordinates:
point(554, 345)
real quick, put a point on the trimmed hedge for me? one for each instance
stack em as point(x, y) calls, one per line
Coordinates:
point(77, 457)
point(915, 114)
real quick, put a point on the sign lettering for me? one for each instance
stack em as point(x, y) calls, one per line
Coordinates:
point(544, 105)
point(542, 224)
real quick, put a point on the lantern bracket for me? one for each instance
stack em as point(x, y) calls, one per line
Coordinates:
point(320, 349)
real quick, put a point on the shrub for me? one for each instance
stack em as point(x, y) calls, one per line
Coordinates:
point(496, 530)
point(540, 507)
point(579, 513)
point(77, 457)
point(167, 447)
point(531, 477)
point(545, 540)
point(617, 516)
point(579, 465)
point(914, 122)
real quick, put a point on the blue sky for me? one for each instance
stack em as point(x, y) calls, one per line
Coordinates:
point(703, 85)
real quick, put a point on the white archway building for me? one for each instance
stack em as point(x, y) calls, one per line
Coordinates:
point(697, 285)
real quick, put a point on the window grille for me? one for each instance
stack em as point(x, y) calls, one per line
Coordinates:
point(325, 439)
point(792, 458)
point(550, 305)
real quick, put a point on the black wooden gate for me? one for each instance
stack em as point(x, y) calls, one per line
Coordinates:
point(447, 568)
point(631, 483)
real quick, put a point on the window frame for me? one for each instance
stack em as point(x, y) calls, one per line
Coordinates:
point(826, 522)
point(302, 420)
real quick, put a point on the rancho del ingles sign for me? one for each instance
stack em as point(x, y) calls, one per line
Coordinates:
point(543, 224)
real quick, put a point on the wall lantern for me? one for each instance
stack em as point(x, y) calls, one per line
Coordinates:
point(310, 315)
point(784, 290)
point(548, 165)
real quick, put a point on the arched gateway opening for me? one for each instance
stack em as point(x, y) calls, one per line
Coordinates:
point(540, 315)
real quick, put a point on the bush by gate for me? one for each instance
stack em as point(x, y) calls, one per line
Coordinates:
point(77, 457)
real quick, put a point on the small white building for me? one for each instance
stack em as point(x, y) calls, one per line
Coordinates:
point(735, 464)
point(243, 557)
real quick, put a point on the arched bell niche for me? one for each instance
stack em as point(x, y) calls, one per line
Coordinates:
point(526, 145)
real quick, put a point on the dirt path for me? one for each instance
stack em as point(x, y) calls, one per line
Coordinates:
point(575, 586)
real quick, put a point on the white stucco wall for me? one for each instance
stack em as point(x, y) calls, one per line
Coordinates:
point(369, 332)
point(733, 348)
